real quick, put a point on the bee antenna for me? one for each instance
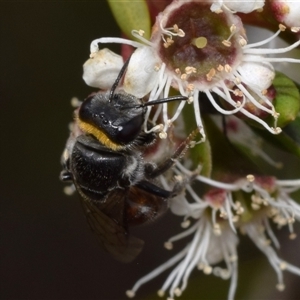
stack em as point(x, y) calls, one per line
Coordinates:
point(163, 100)
point(116, 83)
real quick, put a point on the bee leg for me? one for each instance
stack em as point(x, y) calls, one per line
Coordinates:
point(154, 171)
point(65, 176)
point(153, 189)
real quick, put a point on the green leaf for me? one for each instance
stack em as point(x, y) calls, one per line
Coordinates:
point(131, 15)
point(227, 159)
point(282, 141)
point(293, 130)
point(201, 153)
point(287, 100)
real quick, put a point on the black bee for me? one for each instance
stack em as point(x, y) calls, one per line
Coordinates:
point(103, 158)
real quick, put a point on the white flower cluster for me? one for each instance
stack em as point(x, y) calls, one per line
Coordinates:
point(202, 47)
point(218, 215)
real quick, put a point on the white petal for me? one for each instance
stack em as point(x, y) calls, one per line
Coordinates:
point(292, 18)
point(141, 76)
point(244, 6)
point(216, 6)
point(287, 11)
point(102, 69)
point(179, 206)
point(257, 73)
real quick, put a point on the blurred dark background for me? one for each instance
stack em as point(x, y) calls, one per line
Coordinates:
point(47, 249)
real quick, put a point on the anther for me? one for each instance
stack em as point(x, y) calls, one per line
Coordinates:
point(242, 42)
point(282, 27)
point(295, 29)
point(177, 292)
point(228, 69)
point(141, 32)
point(168, 245)
point(210, 74)
point(190, 87)
point(220, 68)
point(158, 128)
point(226, 43)
point(186, 224)
point(276, 130)
point(93, 54)
point(190, 70)
point(190, 100)
point(163, 135)
point(176, 28)
point(280, 287)
point(250, 178)
point(183, 76)
point(207, 270)
point(157, 67)
point(130, 294)
point(232, 28)
point(238, 92)
point(181, 33)
point(283, 265)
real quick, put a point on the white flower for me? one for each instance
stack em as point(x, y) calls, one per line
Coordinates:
point(208, 54)
point(218, 215)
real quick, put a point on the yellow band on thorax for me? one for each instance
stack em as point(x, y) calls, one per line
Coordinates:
point(99, 135)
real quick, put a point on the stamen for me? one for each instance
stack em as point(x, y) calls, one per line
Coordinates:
point(228, 69)
point(295, 29)
point(210, 74)
point(183, 76)
point(157, 67)
point(228, 99)
point(106, 40)
point(282, 27)
point(242, 41)
point(226, 43)
point(189, 70)
point(130, 293)
point(75, 102)
point(250, 178)
point(168, 245)
point(177, 292)
point(280, 287)
point(186, 224)
point(141, 32)
point(163, 135)
point(270, 50)
point(69, 190)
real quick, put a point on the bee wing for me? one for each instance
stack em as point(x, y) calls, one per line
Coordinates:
point(113, 237)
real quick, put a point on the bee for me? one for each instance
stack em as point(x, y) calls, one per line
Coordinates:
point(103, 158)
